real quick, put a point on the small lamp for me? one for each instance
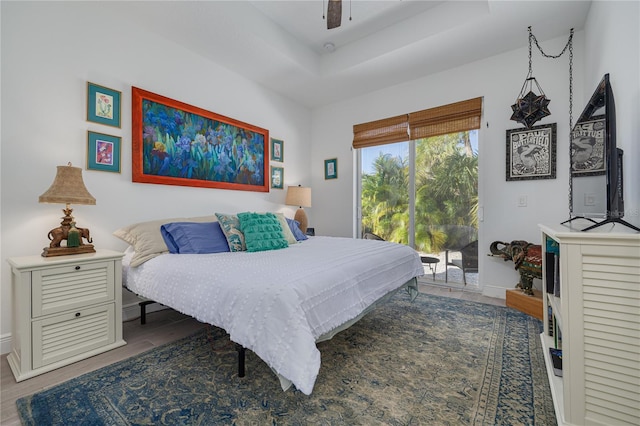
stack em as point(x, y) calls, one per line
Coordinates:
point(67, 188)
point(299, 196)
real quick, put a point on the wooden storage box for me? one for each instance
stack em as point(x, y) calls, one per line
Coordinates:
point(531, 305)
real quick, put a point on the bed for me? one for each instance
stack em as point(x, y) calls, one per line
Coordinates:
point(278, 303)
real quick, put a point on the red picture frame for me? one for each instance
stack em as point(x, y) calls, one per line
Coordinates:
point(174, 143)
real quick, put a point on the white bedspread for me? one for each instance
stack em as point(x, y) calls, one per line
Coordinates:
point(277, 303)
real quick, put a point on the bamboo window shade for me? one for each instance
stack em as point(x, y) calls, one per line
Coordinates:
point(452, 118)
point(381, 132)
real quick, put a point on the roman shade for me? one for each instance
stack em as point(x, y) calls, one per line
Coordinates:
point(452, 118)
point(381, 132)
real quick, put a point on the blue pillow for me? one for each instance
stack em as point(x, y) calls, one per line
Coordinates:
point(262, 231)
point(194, 237)
point(294, 225)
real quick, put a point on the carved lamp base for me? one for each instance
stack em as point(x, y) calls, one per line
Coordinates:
point(63, 251)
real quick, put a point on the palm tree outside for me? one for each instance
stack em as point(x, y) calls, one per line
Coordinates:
point(446, 191)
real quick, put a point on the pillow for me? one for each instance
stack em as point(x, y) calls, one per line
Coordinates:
point(262, 231)
point(231, 228)
point(294, 225)
point(146, 238)
point(194, 237)
point(288, 235)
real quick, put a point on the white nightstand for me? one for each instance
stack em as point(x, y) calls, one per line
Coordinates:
point(65, 309)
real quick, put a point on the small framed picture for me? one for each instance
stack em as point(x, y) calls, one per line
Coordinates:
point(331, 168)
point(277, 150)
point(277, 177)
point(103, 105)
point(103, 152)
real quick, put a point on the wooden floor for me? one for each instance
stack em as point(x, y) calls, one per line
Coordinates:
point(162, 327)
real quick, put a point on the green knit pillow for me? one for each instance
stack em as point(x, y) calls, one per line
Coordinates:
point(262, 231)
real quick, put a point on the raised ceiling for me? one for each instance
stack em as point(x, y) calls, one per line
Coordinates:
point(280, 44)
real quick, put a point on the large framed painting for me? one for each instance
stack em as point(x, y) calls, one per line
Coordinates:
point(174, 143)
point(588, 148)
point(531, 153)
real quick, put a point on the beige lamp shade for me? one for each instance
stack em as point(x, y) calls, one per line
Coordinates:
point(68, 188)
point(299, 196)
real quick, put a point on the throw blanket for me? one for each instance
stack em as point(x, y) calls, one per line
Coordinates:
point(278, 303)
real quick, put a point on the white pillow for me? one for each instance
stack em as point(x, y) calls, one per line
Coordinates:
point(288, 235)
point(146, 238)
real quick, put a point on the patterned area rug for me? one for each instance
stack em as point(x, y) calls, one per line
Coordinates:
point(433, 361)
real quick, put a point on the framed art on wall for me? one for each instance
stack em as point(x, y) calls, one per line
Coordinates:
point(103, 105)
point(277, 177)
point(103, 152)
point(174, 143)
point(331, 168)
point(588, 148)
point(277, 150)
point(531, 153)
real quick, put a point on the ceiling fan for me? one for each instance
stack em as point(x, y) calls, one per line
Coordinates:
point(334, 13)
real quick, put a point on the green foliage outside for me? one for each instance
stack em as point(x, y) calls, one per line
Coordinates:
point(446, 185)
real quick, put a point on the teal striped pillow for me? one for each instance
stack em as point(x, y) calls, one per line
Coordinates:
point(262, 231)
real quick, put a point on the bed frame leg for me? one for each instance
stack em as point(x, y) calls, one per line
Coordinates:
point(241, 354)
point(143, 310)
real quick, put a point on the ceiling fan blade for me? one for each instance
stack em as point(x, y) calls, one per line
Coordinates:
point(334, 14)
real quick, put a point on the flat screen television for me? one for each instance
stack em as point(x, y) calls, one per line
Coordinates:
point(597, 190)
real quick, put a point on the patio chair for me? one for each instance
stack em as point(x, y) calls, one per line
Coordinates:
point(469, 261)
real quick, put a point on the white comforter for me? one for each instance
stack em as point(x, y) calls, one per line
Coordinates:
point(277, 303)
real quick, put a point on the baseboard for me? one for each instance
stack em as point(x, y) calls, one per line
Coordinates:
point(497, 292)
point(5, 343)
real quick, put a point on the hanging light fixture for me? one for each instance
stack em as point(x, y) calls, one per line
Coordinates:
point(530, 107)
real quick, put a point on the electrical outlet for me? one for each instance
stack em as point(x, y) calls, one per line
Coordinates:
point(522, 201)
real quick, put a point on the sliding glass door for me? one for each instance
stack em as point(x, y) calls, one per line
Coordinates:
point(423, 193)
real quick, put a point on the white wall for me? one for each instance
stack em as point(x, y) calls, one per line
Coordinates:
point(498, 80)
point(49, 52)
point(611, 38)
point(613, 46)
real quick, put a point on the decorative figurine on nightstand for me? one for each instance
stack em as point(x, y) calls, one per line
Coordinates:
point(67, 188)
point(527, 258)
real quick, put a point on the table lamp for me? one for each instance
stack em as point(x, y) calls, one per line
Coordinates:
point(299, 196)
point(67, 188)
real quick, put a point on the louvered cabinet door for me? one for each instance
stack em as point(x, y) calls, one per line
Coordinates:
point(65, 309)
point(60, 337)
point(69, 287)
point(610, 359)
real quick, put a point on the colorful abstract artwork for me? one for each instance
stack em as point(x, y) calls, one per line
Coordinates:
point(179, 144)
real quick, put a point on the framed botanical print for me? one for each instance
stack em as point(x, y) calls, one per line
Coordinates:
point(277, 150)
point(103, 105)
point(277, 177)
point(331, 168)
point(103, 152)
